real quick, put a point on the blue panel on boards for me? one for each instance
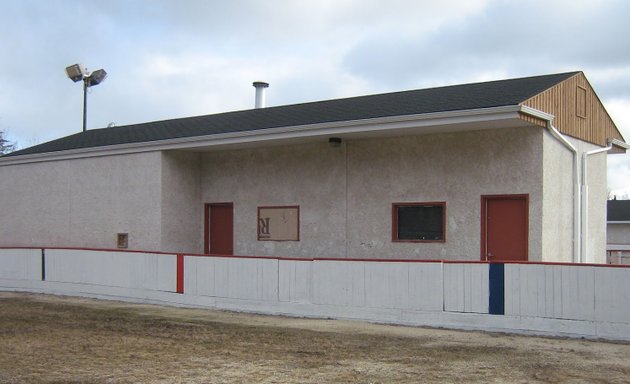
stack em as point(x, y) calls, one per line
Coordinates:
point(496, 305)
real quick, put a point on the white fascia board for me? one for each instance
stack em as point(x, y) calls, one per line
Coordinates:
point(536, 113)
point(389, 125)
point(618, 222)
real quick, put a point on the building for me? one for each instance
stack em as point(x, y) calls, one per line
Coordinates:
point(618, 232)
point(500, 170)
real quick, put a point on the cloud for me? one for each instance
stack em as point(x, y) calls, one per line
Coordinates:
point(521, 38)
point(611, 83)
point(201, 83)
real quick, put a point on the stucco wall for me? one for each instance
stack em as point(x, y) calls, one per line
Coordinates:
point(82, 202)
point(311, 176)
point(181, 203)
point(457, 168)
point(558, 205)
point(596, 217)
point(345, 195)
point(348, 192)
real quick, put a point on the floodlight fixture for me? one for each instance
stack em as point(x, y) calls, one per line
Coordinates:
point(78, 72)
point(96, 77)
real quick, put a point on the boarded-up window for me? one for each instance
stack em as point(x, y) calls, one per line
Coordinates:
point(279, 223)
point(580, 99)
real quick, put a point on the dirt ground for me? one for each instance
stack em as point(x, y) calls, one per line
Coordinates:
point(49, 339)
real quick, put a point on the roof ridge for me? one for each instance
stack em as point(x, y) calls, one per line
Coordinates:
point(572, 73)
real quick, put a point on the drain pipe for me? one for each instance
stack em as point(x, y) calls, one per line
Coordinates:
point(584, 189)
point(580, 190)
point(577, 196)
point(577, 202)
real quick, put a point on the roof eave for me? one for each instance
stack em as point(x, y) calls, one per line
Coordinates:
point(383, 126)
point(618, 146)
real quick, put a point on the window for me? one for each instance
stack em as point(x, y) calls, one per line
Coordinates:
point(418, 222)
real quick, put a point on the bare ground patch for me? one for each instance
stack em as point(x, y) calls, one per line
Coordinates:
point(48, 339)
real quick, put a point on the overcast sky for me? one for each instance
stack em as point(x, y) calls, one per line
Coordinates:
point(177, 58)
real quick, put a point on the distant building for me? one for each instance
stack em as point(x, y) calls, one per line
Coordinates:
point(501, 170)
point(618, 232)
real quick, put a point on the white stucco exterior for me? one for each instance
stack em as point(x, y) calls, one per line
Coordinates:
point(345, 195)
point(595, 227)
point(82, 202)
point(181, 214)
point(559, 183)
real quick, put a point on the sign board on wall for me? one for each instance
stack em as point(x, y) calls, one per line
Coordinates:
point(279, 223)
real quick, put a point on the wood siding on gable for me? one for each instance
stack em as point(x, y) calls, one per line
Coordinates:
point(577, 109)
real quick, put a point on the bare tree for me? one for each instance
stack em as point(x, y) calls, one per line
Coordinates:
point(5, 145)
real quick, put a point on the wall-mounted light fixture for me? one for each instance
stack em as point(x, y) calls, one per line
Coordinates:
point(334, 142)
point(78, 72)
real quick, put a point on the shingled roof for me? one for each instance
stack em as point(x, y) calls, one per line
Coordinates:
point(416, 102)
point(618, 210)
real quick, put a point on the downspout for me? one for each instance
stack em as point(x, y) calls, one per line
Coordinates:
point(577, 202)
point(577, 196)
point(584, 187)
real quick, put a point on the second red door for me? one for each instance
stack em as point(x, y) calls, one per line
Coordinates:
point(505, 228)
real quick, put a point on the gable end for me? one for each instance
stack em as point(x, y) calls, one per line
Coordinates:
point(578, 111)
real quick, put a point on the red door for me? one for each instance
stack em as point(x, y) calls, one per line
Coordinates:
point(219, 231)
point(504, 228)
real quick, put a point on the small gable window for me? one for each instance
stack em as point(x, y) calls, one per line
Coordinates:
point(580, 102)
point(418, 222)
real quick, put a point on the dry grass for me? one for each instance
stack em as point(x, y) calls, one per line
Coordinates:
point(47, 339)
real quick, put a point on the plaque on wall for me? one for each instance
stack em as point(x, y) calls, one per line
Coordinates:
point(279, 223)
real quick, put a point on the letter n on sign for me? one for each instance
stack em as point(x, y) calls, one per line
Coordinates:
point(279, 223)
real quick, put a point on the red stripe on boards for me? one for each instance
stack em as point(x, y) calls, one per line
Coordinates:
point(180, 273)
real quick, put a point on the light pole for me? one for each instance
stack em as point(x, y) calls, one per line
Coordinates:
point(76, 73)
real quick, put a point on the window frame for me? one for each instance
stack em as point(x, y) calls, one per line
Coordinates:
point(581, 102)
point(395, 207)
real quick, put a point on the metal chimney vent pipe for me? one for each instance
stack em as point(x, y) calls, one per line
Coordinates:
point(260, 93)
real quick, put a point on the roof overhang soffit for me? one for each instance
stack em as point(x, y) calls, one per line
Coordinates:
point(618, 146)
point(439, 122)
